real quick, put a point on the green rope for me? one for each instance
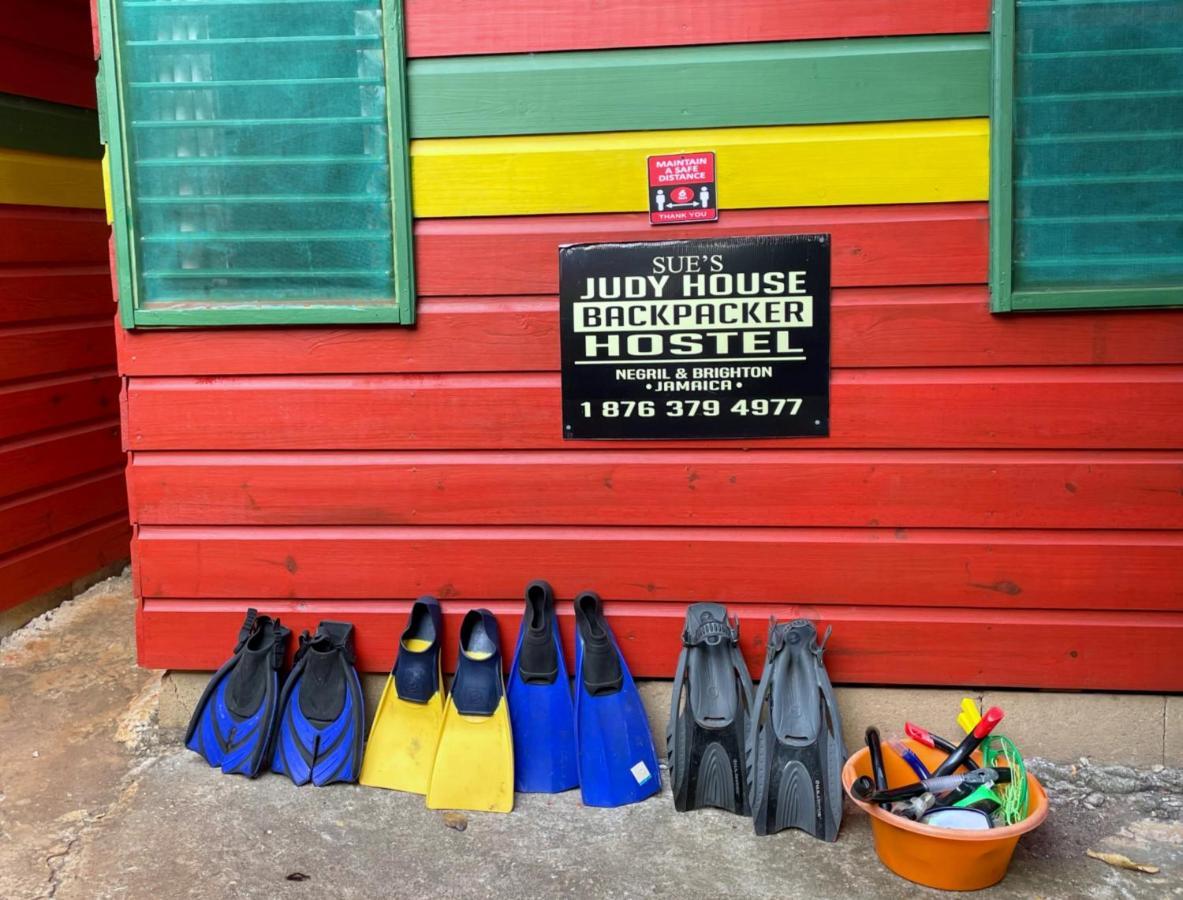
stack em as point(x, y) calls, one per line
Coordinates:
point(1000, 750)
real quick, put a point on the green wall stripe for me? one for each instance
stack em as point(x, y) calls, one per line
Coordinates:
point(40, 127)
point(789, 83)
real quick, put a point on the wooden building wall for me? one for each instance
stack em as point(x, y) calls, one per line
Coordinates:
point(999, 502)
point(63, 503)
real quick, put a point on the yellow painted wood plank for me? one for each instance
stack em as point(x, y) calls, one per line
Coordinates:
point(805, 165)
point(37, 179)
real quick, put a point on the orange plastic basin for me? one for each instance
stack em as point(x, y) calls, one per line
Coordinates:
point(939, 857)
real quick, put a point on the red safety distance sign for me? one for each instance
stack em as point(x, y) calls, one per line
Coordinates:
point(682, 188)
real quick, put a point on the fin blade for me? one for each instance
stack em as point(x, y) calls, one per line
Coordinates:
point(403, 740)
point(473, 767)
point(796, 806)
point(235, 744)
point(543, 721)
point(246, 743)
point(542, 717)
point(339, 746)
point(617, 762)
point(717, 782)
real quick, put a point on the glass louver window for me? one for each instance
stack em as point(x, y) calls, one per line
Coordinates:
point(1087, 199)
point(262, 165)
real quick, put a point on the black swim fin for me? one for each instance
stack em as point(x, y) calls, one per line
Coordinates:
point(710, 711)
point(796, 737)
point(322, 711)
point(235, 717)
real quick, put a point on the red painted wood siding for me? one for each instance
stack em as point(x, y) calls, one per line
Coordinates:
point(986, 475)
point(46, 51)
point(63, 502)
point(870, 645)
point(462, 27)
point(1006, 493)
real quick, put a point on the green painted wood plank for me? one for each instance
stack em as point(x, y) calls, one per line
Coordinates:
point(53, 128)
point(1002, 134)
point(273, 313)
point(1102, 298)
point(789, 83)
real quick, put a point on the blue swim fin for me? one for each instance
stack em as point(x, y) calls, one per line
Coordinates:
point(235, 717)
point(322, 710)
point(540, 707)
point(617, 762)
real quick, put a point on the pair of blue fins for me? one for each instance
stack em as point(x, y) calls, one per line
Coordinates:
point(311, 729)
point(470, 748)
point(775, 753)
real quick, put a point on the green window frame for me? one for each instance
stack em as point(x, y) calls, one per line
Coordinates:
point(389, 297)
point(1005, 294)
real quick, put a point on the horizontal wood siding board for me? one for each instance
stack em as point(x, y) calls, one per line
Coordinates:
point(897, 162)
point(31, 71)
point(872, 328)
point(39, 235)
point(889, 489)
point(62, 507)
point(800, 83)
point(28, 124)
point(30, 407)
point(38, 179)
point(460, 27)
point(942, 243)
point(29, 463)
point(58, 25)
point(42, 295)
point(49, 565)
point(44, 350)
point(1009, 569)
point(1108, 408)
point(1065, 650)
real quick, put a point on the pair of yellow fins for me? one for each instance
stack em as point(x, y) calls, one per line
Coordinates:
point(455, 748)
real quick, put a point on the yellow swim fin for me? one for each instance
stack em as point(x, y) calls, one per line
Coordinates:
point(474, 763)
point(403, 739)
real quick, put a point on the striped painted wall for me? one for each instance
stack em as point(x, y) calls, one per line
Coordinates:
point(63, 503)
point(1000, 497)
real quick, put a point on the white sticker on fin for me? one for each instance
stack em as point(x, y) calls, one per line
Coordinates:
point(641, 772)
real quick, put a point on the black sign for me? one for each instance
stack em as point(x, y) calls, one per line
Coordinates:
point(726, 338)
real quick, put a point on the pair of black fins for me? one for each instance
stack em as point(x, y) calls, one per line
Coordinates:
point(311, 729)
point(775, 753)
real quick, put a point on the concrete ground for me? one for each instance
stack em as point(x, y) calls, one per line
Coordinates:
point(97, 801)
